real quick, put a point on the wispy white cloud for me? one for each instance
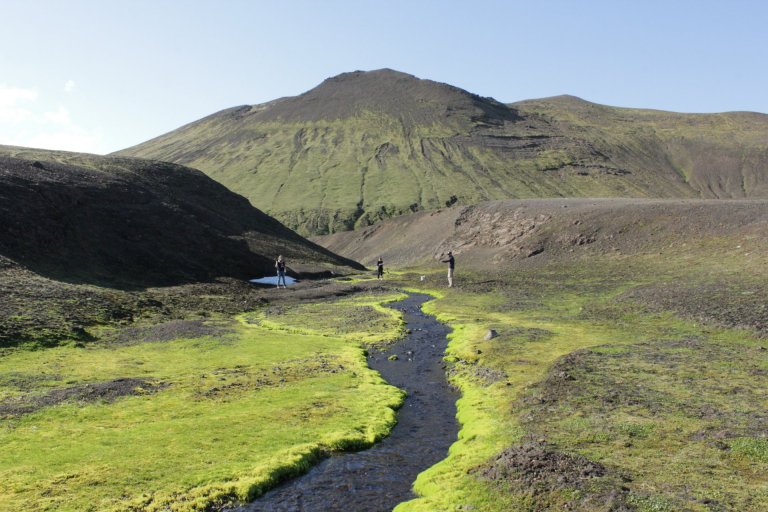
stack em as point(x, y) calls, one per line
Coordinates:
point(9, 96)
point(72, 139)
point(59, 117)
point(26, 120)
point(12, 109)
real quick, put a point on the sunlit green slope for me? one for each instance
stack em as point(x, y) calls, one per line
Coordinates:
point(364, 146)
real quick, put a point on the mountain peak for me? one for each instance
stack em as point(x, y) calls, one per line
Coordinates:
point(385, 91)
point(562, 100)
point(376, 74)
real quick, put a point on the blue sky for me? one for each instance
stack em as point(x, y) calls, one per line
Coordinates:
point(98, 76)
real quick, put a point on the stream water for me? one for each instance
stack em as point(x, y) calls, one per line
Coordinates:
point(377, 479)
point(272, 280)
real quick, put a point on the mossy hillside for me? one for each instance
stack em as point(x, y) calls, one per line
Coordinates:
point(724, 128)
point(669, 406)
point(327, 176)
point(367, 146)
point(231, 416)
point(719, 155)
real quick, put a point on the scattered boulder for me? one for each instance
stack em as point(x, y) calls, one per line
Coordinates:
point(534, 251)
point(492, 333)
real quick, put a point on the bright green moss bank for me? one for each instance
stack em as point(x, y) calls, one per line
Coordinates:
point(610, 386)
point(231, 414)
point(589, 377)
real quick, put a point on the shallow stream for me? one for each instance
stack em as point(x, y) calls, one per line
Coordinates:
point(377, 479)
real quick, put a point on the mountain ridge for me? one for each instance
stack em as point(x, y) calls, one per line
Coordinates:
point(368, 145)
point(578, 100)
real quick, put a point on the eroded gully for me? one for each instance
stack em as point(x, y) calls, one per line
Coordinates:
point(377, 479)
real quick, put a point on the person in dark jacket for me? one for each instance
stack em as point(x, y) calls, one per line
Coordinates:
point(380, 269)
point(280, 266)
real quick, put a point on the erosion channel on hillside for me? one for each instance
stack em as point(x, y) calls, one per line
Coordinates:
point(381, 477)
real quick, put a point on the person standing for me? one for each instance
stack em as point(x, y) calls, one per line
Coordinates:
point(380, 269)
point(451, 264)
point(280, 266)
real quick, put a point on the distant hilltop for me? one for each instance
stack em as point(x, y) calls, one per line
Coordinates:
point(127, 222)
point(369, 145)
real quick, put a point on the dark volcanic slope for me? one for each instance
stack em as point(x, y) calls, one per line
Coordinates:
point(518, 233)
point(122, 221)
point(413, 101)
point(365, 146)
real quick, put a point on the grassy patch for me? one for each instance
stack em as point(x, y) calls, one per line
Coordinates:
point(593, 394)
point(585, 374)
point(362, 318)
point(222, 415)
point(751, 448)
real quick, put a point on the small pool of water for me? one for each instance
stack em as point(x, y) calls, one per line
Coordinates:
point(272, 280)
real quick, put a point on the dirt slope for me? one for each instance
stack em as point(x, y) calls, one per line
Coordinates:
point(501, 234)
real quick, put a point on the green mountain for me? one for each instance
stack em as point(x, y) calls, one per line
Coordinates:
point(365, 146)
point(700, 155)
